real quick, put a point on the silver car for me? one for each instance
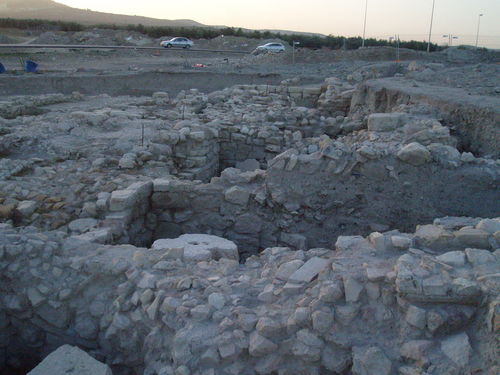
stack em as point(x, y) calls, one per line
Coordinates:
point(271, 47)
point(180, 42)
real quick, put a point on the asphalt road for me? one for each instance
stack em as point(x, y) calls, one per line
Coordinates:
point(80, 46)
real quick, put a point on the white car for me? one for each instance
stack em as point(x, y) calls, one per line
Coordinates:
point(177, 42)
point(271, 47)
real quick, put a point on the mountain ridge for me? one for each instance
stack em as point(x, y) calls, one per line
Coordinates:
point(54, 11)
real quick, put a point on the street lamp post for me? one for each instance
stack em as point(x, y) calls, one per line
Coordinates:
point(396, 40)
point(364, 26)
point(397, 48)
point(430, 29)
point(478, 24)
point(450, 38)
point(293, 51)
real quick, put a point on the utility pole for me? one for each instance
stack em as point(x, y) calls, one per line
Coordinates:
point(364, 27)
point(430, 29)
point(478, 24)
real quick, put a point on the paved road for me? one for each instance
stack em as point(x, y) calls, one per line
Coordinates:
point(41, 46)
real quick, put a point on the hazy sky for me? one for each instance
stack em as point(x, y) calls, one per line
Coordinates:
point(408, 18)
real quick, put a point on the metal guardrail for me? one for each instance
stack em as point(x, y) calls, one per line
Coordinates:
point(68, 46)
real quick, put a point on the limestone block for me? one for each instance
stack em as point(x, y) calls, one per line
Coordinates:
point(237, 195)
point(294, 240)
point(435, 286)
point(86, 327)
point(472, 237)
point(82, 225)
point(331, 292)
point(286, 269)
point(152, 310)
point(197, 247)
point(27, 208)
point(386, 122)
point(170, 304)
point(148, 281)
point(416, 349)
point(377, 273)
point(161, 184)
point(248, 165)
point(351, 243)
point(70, 359)
point(247, 321)
point(467, 157)
point(102, 236)
point(194, 253)
point(478, 257)
point(260, 346)
point(401, 242)
point(379, 241)
point(226, 350)
point(352, 289)
point(457, 348)
point(465, 288)
point(453, 258)
point(414, 154)
point(6, 210)
point(200, 312)
point(128, 161)
point(248, 223)
point(336, 359)
point(416, 317)
point(217, 300)
point(445, 155)
point(35, 297)
point(292, 288)
point(433, 236)
point(142, 188)
point(267, 295)
point(309, 270)
point(122, 200)
point(489, 225)
point(322, 321)
point(268, 327)
point(369, 361)
point(307, 346)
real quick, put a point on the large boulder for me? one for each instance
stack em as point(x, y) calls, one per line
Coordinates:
point(198, 247)
point(386, 122)
point(69, 359)
point(414, 154)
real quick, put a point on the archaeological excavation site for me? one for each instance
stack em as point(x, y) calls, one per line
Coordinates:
point(339, 215)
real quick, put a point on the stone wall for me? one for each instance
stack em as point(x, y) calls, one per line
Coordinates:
point(310, 199)
point(381, 302)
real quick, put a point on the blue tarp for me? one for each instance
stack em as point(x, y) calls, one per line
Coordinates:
point(31, 66)
point(2, 68)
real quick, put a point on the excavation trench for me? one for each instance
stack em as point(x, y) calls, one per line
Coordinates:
point(307, 206)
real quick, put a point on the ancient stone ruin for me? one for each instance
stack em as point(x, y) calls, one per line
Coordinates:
point(340, 228)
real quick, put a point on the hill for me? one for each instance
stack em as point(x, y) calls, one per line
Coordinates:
point(51, 10)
